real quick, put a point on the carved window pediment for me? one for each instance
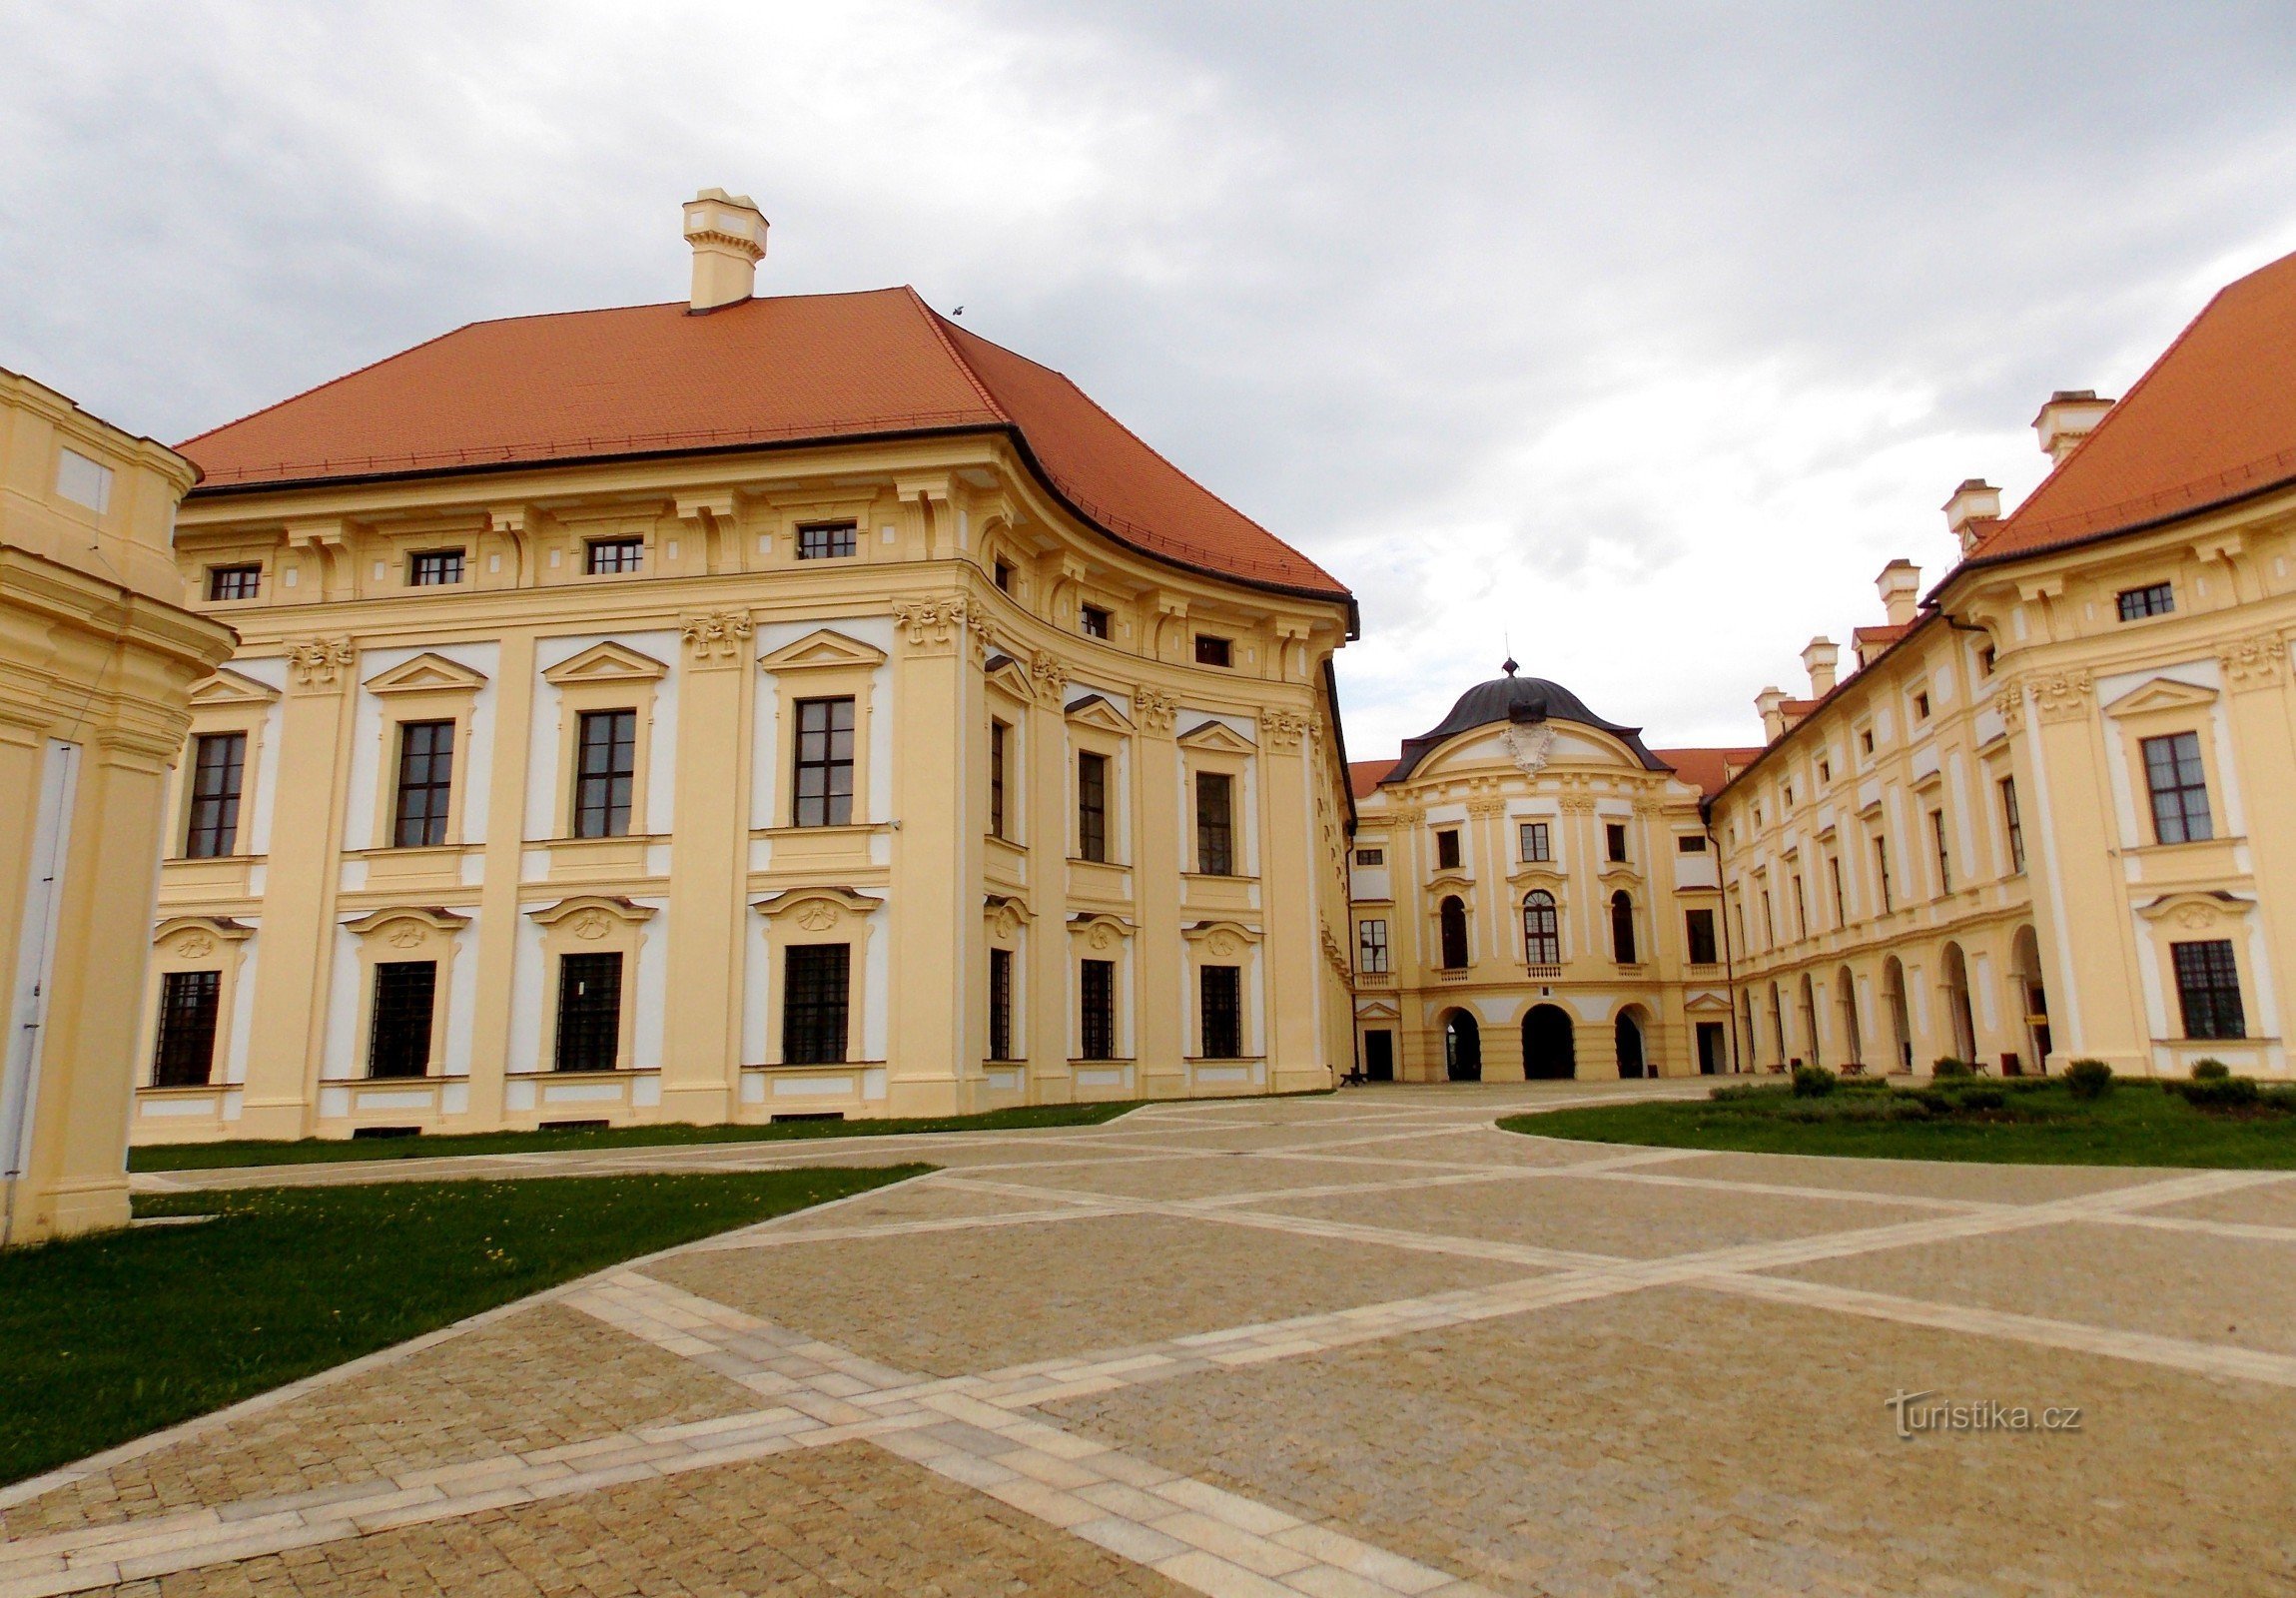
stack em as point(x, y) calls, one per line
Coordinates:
point(426, 674)
point(228, 688)
point(605, 662)
point(1219, 736)
point(824, 650)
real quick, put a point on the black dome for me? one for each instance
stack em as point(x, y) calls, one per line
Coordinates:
point(1513, 698)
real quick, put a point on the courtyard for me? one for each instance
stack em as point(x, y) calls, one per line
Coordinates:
point(1350, 1344)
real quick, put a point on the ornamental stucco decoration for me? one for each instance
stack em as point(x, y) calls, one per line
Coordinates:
point(1529, 746)
point(716, 636)
point(194, 946)
point(817, 915)
point(319, 663)
point(1050, 676)
point(591, 926)
point(404, 935)
point(2063, 695)
point(2253, 662)
point(1155, 709)
point(931, 624)
point(1285, 728)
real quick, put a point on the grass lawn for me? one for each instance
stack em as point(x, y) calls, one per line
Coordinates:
point(212, 1155)
point(107, 1337)
point(2037, 1123)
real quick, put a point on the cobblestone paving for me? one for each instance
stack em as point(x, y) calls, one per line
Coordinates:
point(1358, 1345)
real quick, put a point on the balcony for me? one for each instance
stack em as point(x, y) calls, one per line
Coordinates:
point(1544, 973)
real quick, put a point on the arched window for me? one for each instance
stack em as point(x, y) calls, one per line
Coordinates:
point(1622, 927)
point(1542, 934)
point(1454, 917)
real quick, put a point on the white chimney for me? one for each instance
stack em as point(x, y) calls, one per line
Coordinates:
point(2070, 415)
point(1771, 703)
point(1900, 588)
point(727, 232)
point(1819, 658)
point(1975, 503)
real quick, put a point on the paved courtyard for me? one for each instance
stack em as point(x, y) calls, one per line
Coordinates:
point(1358, 1345)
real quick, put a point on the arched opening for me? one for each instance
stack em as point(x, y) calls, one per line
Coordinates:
point(1462, 1047)
point(1453, 915)
point(1748, 1037)
point(1853, 1034)
point(1955, 981)
point(1548, 1049)
point(2025, 971)
point(1808, 1018)
point(1622, 927)
point(1628, 1032)
point(1893, 1001)
point(1542, 930)
point(1778, 1027)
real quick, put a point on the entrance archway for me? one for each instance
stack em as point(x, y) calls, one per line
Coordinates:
point(1958, 1014)
point(1629, 1041)
point(1809, 1020)
point(1853, 1034)
point(2025, 976)
point(1549, 1052)
point(1462, 1047)
point(1893, 1001)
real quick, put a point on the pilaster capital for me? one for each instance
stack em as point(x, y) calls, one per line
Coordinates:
point(1154, 711)
point(1050, 676)
point(2255, 661)
point(318, 665)
point(933, 625)
point(715, 637)
point(1577, 804)
point(1284, 729)
point(1486, 809)
point(2063, 695)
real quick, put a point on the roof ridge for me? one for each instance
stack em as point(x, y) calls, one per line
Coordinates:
point(939, 328)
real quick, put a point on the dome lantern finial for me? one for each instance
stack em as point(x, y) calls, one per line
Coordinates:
point(1508, 665)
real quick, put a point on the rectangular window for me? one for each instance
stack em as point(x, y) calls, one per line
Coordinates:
point(1614, 840)
point(2156, 600)
point(1447, 849)
point(2015, 825)
point(1944, 857)
point(1093, 806)
point(1371, 948)
point(1841, 905)
point(1881, 871)
point(426, 784)
point(1097, 993)
point(233, 582)
point(604, 555)
point(1004, 577)
point(1986, 659)
point(815, 993)
point(1223, 991)
point(434, 569)
point(829, 540)
point(1093, 621)
point(589, 1013)
point(1865, 740)
point(1698, 925)
point(1922, 705)
point(1535, 841)
point(185, 1054)
point(1690, 843)
point(605, 770)
point(219, 764)
point(2179, 784)
point(1801, 908)
point(1768, 922)
point(1000, 1003)
point(399, 1039)
point(2208, 990)
point(1215, 824)
point(1212, 651)
point(1370, 856)
point(83, 480)
point(1824, 771)
point(823, 788)
point(1000, 735)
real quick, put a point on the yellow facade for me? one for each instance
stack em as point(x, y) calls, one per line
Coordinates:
point(96, 659)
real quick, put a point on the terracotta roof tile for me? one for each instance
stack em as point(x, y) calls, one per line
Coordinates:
point(1709, 770)
point(656, 380)
point(1363, 775)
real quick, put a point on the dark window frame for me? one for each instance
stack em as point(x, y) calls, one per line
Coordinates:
point(1219, 996)
point(1371, 951)
point(230, 584)
point(822, 749)
point(816, 1004)
point(2176, 781)
point(1000, 1003)
point(1096, 1009)
point(1215, 824)
point(2013, 822)
point(1214, 651)
point(1542, 928)
point(423, 794)
point(434, 569)
point(1614, 838)
point(1091, 805)
point(184, 1050)
point(2208, 989)
point(609, 558)
point(606, 772)
point(1451, 923)
point(1622, 929)
point(828, 540)
point(590, 989)
point(1448, 851)
point(400, 1018)
point(219, 781)
point(1699, 940)
point(1945, 853)
point(1536, 839)
point(1094, 621)
point(1000, 742)
point(2154, 599)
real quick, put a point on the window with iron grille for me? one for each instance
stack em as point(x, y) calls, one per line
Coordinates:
point(1614, 839)
point(398, 1040)
point(1093, 622)
point(1622, 927)
point(1542, 928)
point(823, 788)
point(2179, 784)
point(1698, 928)
point(233, 582)
point(1535, 841)
point(1371, 947)
point(185, 1055)
point(1215, 824)
point(606, 772)
point(589, 1011)
point(434, 568)
point(1221, 988)
point(815, 995)
point(1447, 850)
point(1210, 652)
point(607, 556)
point(1096, 1009)
point(999, 736)
point(829, 540)
point(2015, 825)
point(2208, 989)
point(219, 764)
point(426, 783)
point(1093, 806)
point(2155, 599)
point(1000, 1003)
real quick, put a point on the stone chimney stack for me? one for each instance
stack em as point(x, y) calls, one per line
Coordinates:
point(1819, 658)
point(1900, 588)
point(1974, 505)
point(2070, 415)
point(1771, 703)
point(727, 232)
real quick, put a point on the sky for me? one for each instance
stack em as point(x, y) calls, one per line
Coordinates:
point(1631, 339)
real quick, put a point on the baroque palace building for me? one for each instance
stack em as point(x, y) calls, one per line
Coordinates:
point(729, 709)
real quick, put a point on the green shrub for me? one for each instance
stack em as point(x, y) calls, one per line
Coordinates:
point(2210, 1071)
point(1981, 1099)
point(2088, 1079)
point(1745, 1090)
point(1811, 1082)
point(2217, 1092)
point(1950, 1067)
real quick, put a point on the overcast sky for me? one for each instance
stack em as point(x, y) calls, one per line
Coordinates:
point(1636, 337)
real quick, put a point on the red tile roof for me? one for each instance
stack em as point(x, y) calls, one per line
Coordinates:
point(1709, 770)
point(656, 380)
point(2213, 420)
point(1364, 775)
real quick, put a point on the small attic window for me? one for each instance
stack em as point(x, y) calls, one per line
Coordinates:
point(1985, 661)
point(1865, 739)
point(1824, 770)
point(84, 481)
point(1210, 652)
point(1094, 622)
point(1922, 705)
point(1005, 577)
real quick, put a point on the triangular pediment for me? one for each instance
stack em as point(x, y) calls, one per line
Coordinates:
point(1008, 674)
point(1217, 736)
point(823, 651)
point(1702, 1002)
point(426, 674)
point(1095, 710)
point(1379, 1010)
point(230, 688)
point(2161, 693)
point(605, 662)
